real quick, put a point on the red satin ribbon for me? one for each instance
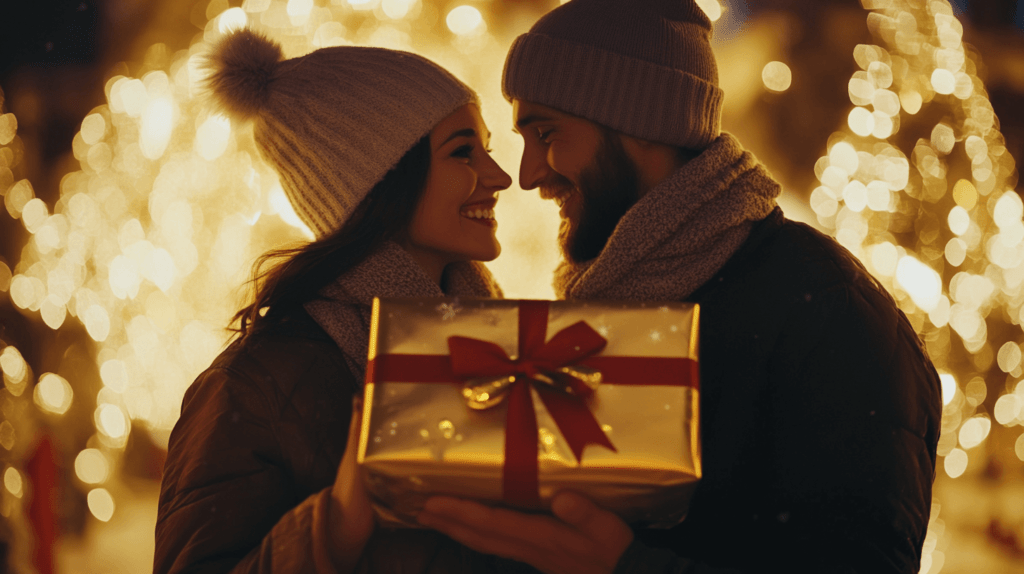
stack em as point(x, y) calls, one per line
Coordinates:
point(575, 345)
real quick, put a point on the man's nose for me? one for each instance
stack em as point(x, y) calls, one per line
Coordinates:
point(533, 168)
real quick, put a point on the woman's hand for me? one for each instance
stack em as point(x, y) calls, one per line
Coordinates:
point(351, 516)
point(580, 539)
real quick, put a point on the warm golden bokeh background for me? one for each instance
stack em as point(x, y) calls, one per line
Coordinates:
point(894, 125)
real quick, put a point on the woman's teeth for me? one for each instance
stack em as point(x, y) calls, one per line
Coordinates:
point(479, 214)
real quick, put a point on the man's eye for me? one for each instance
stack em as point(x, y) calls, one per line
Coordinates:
point(543, 135)
point(463, 151)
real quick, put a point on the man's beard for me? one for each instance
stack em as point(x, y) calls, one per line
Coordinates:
point(607, 189)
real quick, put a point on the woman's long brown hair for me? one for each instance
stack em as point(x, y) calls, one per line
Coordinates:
point(285, 279)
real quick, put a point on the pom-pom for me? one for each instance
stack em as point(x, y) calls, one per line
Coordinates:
point(242, 67)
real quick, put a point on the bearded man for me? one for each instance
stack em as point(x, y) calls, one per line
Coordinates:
point(819, 408)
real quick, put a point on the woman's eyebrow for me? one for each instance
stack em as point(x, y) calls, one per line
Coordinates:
point(468, 132)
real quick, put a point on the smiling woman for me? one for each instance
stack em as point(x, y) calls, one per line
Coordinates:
point(383, 155)
point(455, 216)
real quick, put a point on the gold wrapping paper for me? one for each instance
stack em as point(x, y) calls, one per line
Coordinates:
point(421, 439)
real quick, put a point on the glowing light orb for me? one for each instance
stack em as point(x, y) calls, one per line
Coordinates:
point(886, 102)
point(18, 196)
point(130, 96)
point(23, 292)
point(1009, 357)
point(911, 101)
point(835, 178)
point(1007, 409)
point(101, 504)
point(959, 220)
point(464, 20)
point(943, 138)
point(329, 34)
point(948, 383)
point(232, 19)
point(396, 9)
point(256, 6)
point(974, 431)
point(955, 463)
point(53, 312)
point(920, 281)
point(93, 128)
point(1008, 210)
point(883, 127)
point(298, 11)
point(884, 258)
point(844, 156)
point(13, 482)
point(157, 122)
point(8, 128)
point(91, 466)
point(97, 323)
point(956, 251)
point(880, 75)
point(777, 76)
point(943, 81)
point(53, 394)
point(111, 421)
point(823, 202)
point(34, 214)
point(861, 121)
point(13, 364)
point(710, 7)
point(855, 195)
point(879, 196)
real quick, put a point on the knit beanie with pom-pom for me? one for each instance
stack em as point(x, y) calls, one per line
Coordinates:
point(332, 122)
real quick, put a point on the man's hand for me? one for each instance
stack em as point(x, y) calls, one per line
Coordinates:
point(580, 539)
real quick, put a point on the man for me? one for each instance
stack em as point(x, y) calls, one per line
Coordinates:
point(820, 411)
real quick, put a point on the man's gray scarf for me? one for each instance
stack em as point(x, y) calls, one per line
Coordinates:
point(344, 312)
point(680, 233)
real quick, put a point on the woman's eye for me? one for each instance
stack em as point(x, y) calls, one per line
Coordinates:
point(463, 151)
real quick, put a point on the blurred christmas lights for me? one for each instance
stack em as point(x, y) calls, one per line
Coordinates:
point(151, 237)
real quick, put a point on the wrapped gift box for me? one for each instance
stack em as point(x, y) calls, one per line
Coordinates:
point(507, 402)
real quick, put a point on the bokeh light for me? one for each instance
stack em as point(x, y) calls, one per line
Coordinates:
point(91, 467)
point(101, 504)
point(53, 394)
point(464, 20)
point(777, 76)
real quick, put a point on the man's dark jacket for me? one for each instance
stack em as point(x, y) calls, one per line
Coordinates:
point(819, 411)
point(820, 418)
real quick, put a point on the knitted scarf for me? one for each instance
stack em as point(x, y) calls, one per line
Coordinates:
point(344, 311)
point(678, 235)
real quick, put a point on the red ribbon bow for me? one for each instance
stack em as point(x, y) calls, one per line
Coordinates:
point(473, 359)
point(575, 345)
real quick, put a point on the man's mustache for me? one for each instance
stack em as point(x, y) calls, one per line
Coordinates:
point(559, 186)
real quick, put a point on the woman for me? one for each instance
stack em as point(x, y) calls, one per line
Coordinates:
point(383, 155)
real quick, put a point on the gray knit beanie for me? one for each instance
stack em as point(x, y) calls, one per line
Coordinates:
point(641, 67)
point(332, 122)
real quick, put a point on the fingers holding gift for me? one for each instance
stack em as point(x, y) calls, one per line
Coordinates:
point(598, 525)
point(547, 543)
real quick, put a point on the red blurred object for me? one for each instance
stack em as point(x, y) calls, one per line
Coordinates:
point(42, 475)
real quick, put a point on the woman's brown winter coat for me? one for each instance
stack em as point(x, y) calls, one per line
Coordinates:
point(252, 460)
